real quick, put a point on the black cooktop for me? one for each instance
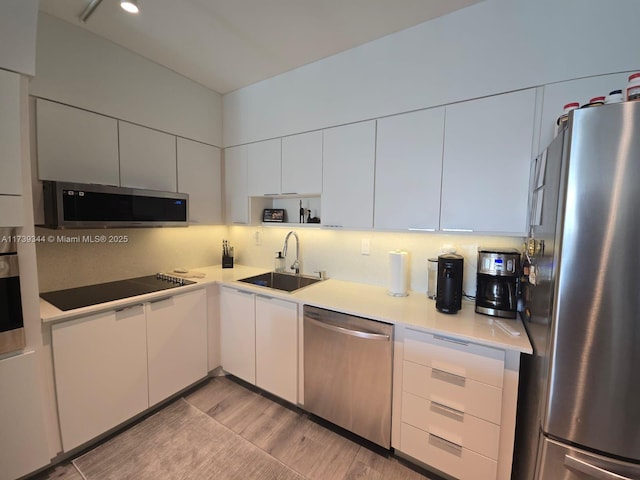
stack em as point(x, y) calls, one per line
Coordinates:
point(79, 297)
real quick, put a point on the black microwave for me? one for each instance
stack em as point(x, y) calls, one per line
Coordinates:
point(79, 205)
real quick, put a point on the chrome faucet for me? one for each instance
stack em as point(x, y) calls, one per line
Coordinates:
point(296, 264)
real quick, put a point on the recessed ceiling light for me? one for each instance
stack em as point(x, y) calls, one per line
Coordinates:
point(130, 6)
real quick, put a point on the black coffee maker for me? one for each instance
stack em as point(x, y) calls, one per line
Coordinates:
point(449, 290)
point(497, 282)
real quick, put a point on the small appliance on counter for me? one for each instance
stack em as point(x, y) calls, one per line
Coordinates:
point(449, 289)
point(497, 282)
point(227, 254)
point(398, 273)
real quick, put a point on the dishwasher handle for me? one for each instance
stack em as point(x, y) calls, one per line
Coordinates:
point(348, 331)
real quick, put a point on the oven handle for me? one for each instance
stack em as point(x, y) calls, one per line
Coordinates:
point(348, 331)
point(591, 470)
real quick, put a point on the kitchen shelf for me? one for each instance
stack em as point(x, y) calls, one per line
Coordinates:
point(290, 203)
point(291, 225)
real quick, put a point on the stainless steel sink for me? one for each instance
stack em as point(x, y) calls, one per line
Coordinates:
point(281, 281)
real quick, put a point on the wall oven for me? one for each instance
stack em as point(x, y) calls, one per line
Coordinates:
point(11, 319)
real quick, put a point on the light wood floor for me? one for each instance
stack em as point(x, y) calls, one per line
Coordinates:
point(284, 432)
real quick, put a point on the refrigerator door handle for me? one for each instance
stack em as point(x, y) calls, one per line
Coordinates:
point(591, 470)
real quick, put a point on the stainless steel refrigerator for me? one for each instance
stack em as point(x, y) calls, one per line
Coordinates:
point(579, 403)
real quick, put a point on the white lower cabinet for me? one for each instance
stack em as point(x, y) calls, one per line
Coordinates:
point(259, 341)
point(100, 365)
point(23, 442)
point(238, 333)
point(176, 343)
point(442, 454)
point(277, 347)
point(112, 366)
point(451, 405)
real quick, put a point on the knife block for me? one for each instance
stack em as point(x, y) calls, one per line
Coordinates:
point(227, 262)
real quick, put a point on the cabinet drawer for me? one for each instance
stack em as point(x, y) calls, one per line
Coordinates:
point(451, 459)
point(458, 427)
point(457, 357)
point(464, 394)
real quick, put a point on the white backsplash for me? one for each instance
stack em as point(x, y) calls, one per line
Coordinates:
point(67, 264)
point(338, 252)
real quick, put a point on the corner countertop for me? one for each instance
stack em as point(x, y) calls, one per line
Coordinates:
point(414, 311)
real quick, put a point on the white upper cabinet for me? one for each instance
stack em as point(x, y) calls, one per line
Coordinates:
point(263, 176)
point(302, 163)
point(235, 182)
point(18, 24)
point(409, 170)
point(147, 158)
point(75, 145)
point(487, 152)
point(347, 176)
point(556, 95)
point(10, 151)
point(199, 175)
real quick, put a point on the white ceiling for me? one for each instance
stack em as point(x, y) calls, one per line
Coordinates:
point(229, 44)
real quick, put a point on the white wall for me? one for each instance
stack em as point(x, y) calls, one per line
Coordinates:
point(18, 20)
point(338, 252)
point(492, 47)
point(145, 252)
point(79, 68)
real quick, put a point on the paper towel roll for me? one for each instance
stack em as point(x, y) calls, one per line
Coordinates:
point(398, 273)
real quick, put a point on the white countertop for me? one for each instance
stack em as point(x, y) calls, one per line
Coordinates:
point(413, 311)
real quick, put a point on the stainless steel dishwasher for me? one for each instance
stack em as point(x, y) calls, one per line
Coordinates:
point(347, 372)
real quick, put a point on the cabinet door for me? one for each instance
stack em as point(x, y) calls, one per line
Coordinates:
point(75, 145)
point(556, 95)
point(10, 134)
point(100, 365)
point(24, 442)
point(235, 185)
point(409, 170)
point(147, 158)
point(277, 347)
point(11, 209)
point(347, 176)
point(264, 167)
point(302, 163)
point(199, 175)
point(487, 151)
point(176, 343)
point(238, 333)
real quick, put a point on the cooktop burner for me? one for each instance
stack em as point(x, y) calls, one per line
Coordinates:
point(79, 297)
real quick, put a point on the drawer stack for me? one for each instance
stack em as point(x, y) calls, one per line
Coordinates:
point(451, 404)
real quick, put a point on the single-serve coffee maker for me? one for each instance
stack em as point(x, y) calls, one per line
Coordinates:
point(449, 289)
point(497, 282)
